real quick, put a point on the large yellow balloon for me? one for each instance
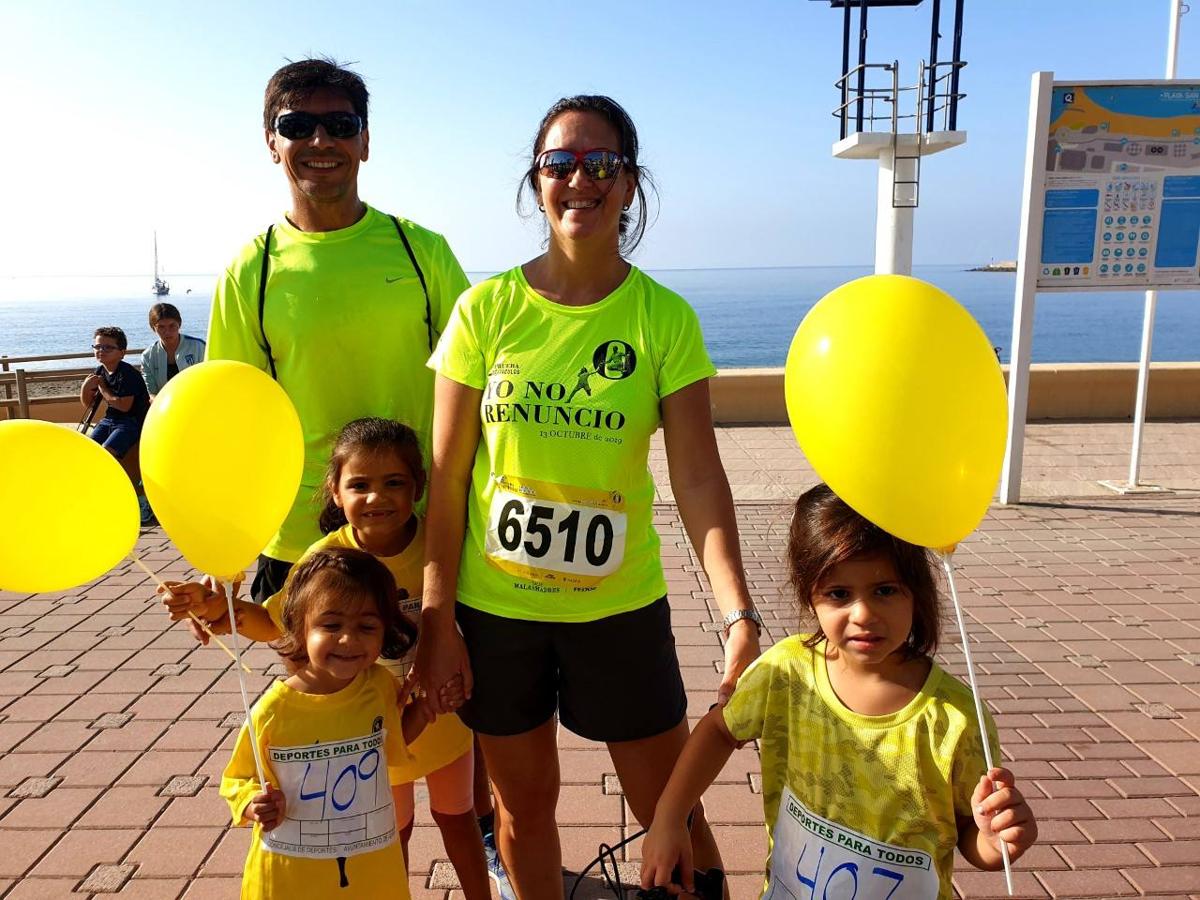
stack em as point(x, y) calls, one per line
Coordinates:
point(898, 401)
point(67, 508)
point(222, 453)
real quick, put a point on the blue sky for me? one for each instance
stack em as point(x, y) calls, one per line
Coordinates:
point(145, 115)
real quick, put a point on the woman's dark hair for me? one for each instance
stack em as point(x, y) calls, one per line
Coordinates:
point(298, 81)
point(633, 225)
point(369, 435)
point(826, 532)
point(160, 311)
point(337, 578)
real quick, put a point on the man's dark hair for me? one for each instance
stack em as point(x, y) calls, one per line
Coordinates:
point(297, 81)
point(113, 333)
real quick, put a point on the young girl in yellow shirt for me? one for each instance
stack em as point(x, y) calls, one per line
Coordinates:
point(374, 479)
point(872, 761)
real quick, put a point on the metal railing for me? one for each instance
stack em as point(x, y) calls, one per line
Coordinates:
point(932, 96)
point(16, 399)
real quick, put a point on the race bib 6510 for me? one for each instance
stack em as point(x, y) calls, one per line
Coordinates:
point(555, 533)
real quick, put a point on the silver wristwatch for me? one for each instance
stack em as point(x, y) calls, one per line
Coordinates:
point(739, 614)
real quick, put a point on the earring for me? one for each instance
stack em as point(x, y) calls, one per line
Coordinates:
point(541, 208)
point(275, 157)
point(626, 207)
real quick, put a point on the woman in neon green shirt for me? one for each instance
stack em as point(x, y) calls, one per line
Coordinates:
point(552, 378)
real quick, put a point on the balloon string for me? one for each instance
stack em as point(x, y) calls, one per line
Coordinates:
point(195, 618)
point(948, 565)
point(258, 763)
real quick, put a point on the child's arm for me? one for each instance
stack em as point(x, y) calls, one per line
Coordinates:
point(87, 390)
point(415, 718)
point(253, 620)
point(248, 800)
point(1001, 814)
point(668, 842)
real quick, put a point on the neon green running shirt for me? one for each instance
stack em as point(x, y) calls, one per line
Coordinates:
point(345, 318)
point(559, 525)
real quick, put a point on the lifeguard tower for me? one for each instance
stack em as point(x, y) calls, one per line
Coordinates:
point(879, 118)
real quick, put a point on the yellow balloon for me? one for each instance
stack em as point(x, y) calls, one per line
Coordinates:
point(222, 453)
point(68, 509)
point(898, 401)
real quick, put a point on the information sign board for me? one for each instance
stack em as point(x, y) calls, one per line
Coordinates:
point(1120, 200)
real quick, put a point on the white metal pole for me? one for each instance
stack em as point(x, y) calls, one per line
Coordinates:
point(893, 225)
point(1143, 385)
point(1028, 261)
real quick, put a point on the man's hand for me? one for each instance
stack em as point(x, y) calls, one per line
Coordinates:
point(267, 808)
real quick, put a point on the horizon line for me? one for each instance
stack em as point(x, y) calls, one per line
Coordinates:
point(498, 270)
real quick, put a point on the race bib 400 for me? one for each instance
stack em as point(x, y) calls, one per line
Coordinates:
point(554, 533)
point(817, 859)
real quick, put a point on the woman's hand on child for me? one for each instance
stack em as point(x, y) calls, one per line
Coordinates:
point(1001, 813)
point(451, 694)
point(741, 649)
point(667, 846)
point(267, 808)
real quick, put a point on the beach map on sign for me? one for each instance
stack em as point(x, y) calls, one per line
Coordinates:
point(1121, 206)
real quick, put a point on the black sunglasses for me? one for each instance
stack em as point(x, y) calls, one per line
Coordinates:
point(299, 126)
point(598, 165)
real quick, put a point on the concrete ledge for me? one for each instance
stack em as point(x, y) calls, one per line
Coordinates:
point(1076, 391)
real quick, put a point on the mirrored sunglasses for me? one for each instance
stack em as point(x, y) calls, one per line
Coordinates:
point(299, 126)
point(598, 165)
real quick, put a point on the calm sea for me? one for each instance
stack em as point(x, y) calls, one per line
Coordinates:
point(748, 315)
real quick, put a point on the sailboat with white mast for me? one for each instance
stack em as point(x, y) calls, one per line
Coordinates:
point(161, 288)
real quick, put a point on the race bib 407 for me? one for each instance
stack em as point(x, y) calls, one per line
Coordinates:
point(555, 533)
point(814, 858)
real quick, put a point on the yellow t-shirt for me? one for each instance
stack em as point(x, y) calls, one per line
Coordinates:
point(446, 738)
point(345, 319)
point(325, 752)
point(559, 525)
point(885, 790)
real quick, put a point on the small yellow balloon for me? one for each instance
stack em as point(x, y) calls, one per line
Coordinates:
point(222, 453)
point(898, 401)
point(68, 509)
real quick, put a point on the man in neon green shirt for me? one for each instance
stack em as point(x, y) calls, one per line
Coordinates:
point(339, 302)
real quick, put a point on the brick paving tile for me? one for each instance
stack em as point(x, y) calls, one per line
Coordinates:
point(1097, 883)
point(20, 848)
point(975, 885)
point(58, 809)
point(96, 767)
point(1168, 853)
point(81, 850)
point(123, 807)
point(156, 768)
point(1115, 830)
point(139, 888)
point(16, 767)
point(1179, 829)
point(45, 889)
point(173, 852)
point(206, 808)
point(1173, 878)
point(229, 857)
point(1104, 856)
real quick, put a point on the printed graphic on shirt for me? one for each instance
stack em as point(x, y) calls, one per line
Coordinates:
point(562, 407)
point(339, 803)
point(816, 857)
point(555, 534)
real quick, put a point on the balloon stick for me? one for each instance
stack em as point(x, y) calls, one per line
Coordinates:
point(948, 565)
point(195, 618)
point(237, 649)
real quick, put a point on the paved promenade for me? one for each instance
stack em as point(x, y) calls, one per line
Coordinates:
point(1084, 611)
